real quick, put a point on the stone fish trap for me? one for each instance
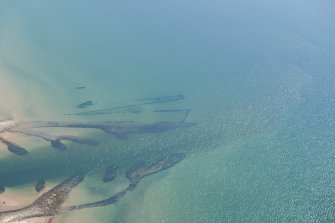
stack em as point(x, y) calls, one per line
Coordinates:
point(51, 203)
point(120, 130)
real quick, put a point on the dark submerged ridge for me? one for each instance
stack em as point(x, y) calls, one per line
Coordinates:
point(51, 202)
point(134, 174)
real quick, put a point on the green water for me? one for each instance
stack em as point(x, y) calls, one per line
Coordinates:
point(258, 77)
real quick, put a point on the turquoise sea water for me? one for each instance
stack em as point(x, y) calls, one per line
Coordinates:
point(258, 77)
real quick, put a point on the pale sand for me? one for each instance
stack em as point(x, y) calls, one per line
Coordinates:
point(14, 200)
point(21, 100)
point(33, 97)
point(9, 201)
point(10, 99)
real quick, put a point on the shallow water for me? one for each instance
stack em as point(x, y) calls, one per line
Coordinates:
point(257, 78)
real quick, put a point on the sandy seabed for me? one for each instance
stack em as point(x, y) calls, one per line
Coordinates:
point(11, 201)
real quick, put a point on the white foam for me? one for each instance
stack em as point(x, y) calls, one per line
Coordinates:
point(6, 124)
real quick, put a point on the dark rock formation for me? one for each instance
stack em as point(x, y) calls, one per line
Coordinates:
point(40, 185)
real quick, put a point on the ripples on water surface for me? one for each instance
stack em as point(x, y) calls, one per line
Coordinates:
point(256, 78)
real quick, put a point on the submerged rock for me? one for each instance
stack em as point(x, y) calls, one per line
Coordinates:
point(40, 185)
point(57, 144)
point(85, 104)
point(14, 148)
point(110, 174)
